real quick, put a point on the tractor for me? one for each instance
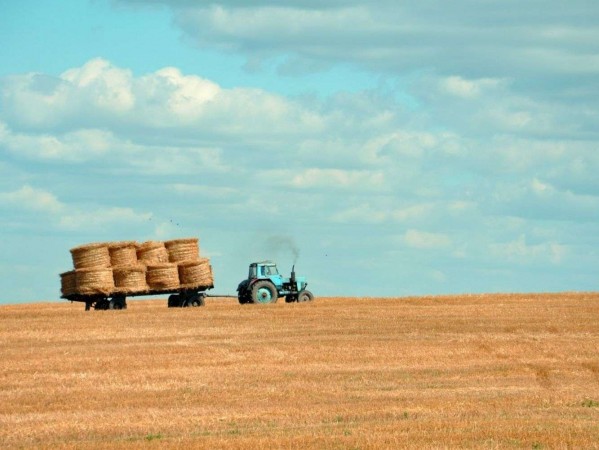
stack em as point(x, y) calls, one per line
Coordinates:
point(264, 284)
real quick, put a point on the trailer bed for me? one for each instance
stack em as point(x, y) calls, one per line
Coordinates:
point(189, 295)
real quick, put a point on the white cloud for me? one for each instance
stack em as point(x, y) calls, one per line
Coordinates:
point(466, 39)
point(336, 178)
point(539, 199)
point(540, 188)
point(106, 86)
point(206, 191)
point(439, 276)
point(61, 215)
point(76, 146)
point(462, 87)
point(101, 96)
point(30, 198)
point(174, 160)
point(97, 219)
point(168, 93)
point(390, 211)
point(34, 100)
point(414, 212)
point(424, 240)
point(165, 230)
point(361, 213)
point(521, 252)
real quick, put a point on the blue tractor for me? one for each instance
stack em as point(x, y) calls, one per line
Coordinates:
point(264, 284)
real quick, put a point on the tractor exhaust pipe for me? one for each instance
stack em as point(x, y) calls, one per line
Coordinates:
point(293, 283)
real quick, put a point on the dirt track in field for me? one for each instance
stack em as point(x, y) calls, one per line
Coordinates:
point(478, 371)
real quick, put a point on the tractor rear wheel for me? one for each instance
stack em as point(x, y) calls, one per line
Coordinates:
point(244, 297)
point(264, 292)
point(305, 296)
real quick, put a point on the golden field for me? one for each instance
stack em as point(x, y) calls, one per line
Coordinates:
point(475, 371)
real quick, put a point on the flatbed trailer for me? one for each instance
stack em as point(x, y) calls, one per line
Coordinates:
point(178, 298)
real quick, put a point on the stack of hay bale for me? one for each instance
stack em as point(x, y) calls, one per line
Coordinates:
point(192, 270)
point(93, 272)
point(132, 268)
point(128, 273)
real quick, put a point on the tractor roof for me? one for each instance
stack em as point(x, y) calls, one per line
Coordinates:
point(265, 263)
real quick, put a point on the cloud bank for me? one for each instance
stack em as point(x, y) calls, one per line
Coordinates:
point(347, 164)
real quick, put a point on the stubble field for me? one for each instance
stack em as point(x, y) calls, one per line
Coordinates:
point(479, 371)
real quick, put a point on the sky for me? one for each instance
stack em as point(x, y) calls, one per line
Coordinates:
point(386, 148)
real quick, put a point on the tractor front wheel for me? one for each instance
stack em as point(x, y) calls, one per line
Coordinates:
point(305, 296)
point(264, 292)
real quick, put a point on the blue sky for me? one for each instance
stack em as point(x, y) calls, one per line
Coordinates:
point(403, 149)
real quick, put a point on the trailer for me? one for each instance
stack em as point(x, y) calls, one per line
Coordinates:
point(106, 273)
point(178, 298)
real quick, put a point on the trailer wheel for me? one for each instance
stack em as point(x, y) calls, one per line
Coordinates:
point(102, 304)
point(305, 296)
point(117, 302)
point(174, 301)
point(264, 292)
point(196, 299)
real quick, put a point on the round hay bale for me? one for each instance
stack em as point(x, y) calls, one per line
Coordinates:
point(130, 279)
point(195, 273)
point(152, 252)
point(162, 276)
point(93, 255)
point(123, 253)
point(94, 281)
point(68, 283)
point(180, 250)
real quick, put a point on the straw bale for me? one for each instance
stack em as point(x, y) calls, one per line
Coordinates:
point(93, 255)
point(123, 253)
point(162, 276)
point(130, 279)
point(68, 283)
point(152, 252)
point(180, 250)
point(195, 273)
point(94, 281)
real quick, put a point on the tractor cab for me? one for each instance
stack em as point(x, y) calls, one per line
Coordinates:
point(264, 269)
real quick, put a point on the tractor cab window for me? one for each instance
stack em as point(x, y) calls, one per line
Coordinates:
point(252, 274)
point(271, 270)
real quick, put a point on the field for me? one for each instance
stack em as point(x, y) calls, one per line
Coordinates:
point(477, 371)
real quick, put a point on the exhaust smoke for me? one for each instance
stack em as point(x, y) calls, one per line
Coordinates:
point(283, 244)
